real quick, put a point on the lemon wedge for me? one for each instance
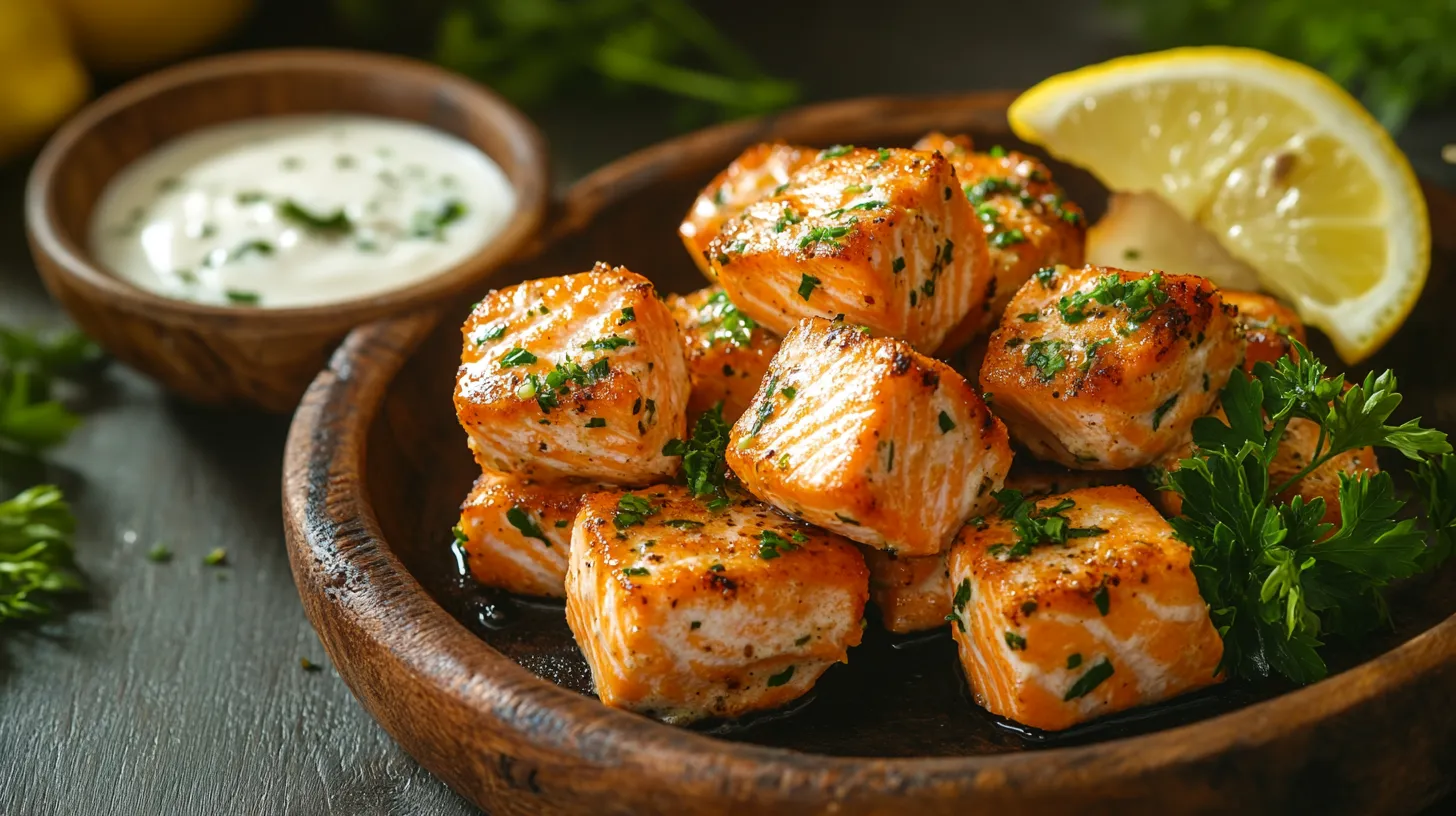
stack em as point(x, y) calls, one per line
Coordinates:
point(1278, 163)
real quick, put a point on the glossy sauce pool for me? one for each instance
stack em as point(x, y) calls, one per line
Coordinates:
point(297, 211)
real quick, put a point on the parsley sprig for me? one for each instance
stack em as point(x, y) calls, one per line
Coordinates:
point(1276, 577)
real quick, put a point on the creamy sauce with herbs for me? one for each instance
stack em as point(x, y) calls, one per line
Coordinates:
point(299, 211)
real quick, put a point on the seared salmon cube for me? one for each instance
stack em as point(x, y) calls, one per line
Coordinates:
point(516, 534)
point(883, 237)
point(912, 592)
point(578, 378)
point(756, 173)
point(1105, 369)
point(1268, 327)
point(1028, 220)
point(866, 437)
point(727, 351)
point(1056, 633)
point(685, 613)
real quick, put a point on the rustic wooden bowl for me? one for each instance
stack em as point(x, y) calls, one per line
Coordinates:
point(261, 358)
point(487, 692)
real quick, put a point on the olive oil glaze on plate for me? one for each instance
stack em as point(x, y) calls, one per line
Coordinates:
point(898, 700)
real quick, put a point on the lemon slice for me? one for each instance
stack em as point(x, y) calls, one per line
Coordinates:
point(1282, 166)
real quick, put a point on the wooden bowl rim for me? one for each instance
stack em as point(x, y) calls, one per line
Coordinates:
point(531, 183)
point(326, 501)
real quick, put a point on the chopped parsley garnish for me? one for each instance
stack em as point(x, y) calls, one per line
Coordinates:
point(596, 422)
point(835, 152)
point(726, 321)
point(882, 155)
point(984, 189)
point(334, 223)
point(765, 407)
point(826, 235)
point(1140, 296)
point(432, 223)
point(1046, 357)
point(898, 265)
point(1035, 526)
point(790, 216)
point(997, 152)
point(609, 343)
point(252, 246)
point(1045, 276)
point(629, 314)
point(1103, 601)
point(635, 571)
point(1029, 317)
point(1006, 238)
point(632, 510)
point(1162, 411)
point(494, 331)
point(958, 604)
point(1090, 354)
point(1278, 580)
point(771, 545)
point(946, 423)
point(789, 392)
point(683, 524)
point(521, 520)
point(1015, 642)
point(517, 357)
point(1091, 679)
point(1074, 660)
point(781, 678)
point(703, 467)
point(243, 297)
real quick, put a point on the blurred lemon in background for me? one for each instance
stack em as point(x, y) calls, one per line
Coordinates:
point(41, 79)
point(127, 35)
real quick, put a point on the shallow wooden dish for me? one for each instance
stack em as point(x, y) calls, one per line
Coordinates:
point(376, 467)
point(261, 358)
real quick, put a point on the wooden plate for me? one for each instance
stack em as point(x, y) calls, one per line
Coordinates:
point(487, 692)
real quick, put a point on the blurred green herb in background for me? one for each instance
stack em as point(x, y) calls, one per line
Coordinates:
point(1396, 56)
point(534, 51)
point(37, 557)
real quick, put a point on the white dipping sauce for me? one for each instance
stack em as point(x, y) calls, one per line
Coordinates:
point(299, 211)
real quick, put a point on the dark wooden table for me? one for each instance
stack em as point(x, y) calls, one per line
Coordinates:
point(176, 688)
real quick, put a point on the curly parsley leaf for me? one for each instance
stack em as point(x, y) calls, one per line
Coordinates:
point(1277, 578)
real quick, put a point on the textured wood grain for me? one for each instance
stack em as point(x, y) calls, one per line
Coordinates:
point(260, 358)
point(374, 464)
